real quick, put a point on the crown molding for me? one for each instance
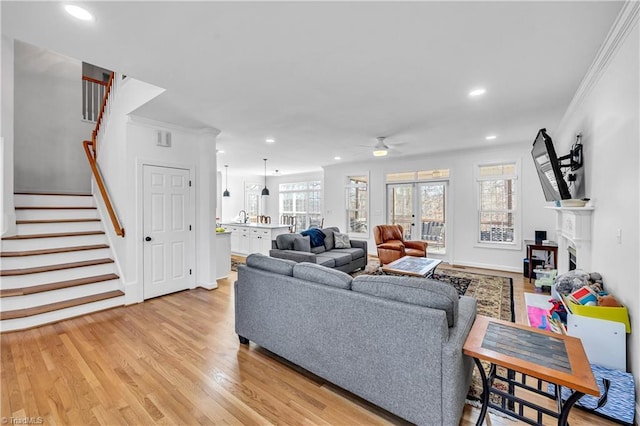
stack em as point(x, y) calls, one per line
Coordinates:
point(620, 30)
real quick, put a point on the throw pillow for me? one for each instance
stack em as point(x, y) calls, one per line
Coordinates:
point(302, 244)
point(341, 240)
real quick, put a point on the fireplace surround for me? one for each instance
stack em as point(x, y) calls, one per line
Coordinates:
point(573, 228)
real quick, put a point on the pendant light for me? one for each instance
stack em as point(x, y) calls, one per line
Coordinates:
point(265, 190)
point(226, 192)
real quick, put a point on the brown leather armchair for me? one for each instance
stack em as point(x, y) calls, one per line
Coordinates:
point(392, 246)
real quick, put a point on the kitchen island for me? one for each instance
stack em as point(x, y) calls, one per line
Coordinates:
point(253, 237)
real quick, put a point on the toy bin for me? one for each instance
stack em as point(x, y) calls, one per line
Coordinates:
point(619, 314)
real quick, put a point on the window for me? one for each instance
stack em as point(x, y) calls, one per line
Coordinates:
point(252, 193)
point(498, 214)
point(357, 203)
point(302, 200)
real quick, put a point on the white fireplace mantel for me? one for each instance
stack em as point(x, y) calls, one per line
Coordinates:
point(573, 228)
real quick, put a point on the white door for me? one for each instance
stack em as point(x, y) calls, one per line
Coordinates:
point(168, 238)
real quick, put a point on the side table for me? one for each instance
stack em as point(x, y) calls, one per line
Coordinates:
point(532, 245)
point(541, 354)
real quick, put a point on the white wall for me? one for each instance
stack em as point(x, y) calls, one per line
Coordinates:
point(48, 128)
point(462, 249)
point(607, 114)
point(6, 139)
point(128, 144)
point(232, 205)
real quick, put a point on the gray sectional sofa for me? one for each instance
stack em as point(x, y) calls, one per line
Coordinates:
point(394, 341)
point(298, 248)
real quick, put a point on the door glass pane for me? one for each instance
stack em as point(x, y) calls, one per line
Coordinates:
point(433, 216)
point(400, 202)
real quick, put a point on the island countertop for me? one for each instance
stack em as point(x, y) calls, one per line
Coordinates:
point(257, 225)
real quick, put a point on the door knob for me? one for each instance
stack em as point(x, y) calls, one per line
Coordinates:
point(147, 238)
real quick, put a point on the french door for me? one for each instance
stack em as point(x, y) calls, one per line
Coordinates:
point(421, 209)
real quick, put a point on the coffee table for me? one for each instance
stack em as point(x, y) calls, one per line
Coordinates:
point(413, 266)
point(540, 354)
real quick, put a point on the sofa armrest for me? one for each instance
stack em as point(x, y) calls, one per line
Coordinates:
point(296, 256)
point(361, 244)
point(457, 367)
point(418, 245)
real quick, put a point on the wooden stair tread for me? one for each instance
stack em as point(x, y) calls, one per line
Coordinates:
point(52, 250)
point(26, 222)
point(54, 235)
point(22, 291)
point(49, 268)
point(58, 194)
point(55, 208)
point(36, 310)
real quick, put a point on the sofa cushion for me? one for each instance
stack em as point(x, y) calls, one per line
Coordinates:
point(271, 264)
point(329, 243)
point(301, 243)
point(417, 291)
point(323, 260)
point(316, 235)
point(356, 253)
point(319, 249)
point(341, 240)
point(340, 258)
point(285, 241)
point(322, 275)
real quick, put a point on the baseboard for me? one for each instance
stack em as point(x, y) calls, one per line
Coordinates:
point(488, 266)
point(208, 286)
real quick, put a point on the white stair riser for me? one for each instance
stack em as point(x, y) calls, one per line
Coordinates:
point(28, 280)
point(49, 317)
point(53, 214)
point(21, 262)
point(25, 200)
point(54, 242)
point(44, 298)
point(48, 228)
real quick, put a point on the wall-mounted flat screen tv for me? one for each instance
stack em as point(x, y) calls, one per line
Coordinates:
point(549, 171)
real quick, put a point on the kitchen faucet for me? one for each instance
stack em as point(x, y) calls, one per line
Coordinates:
point(244, 219)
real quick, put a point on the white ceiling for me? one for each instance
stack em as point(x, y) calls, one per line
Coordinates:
point(325, 78)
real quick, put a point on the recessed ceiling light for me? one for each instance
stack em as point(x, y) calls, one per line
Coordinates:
point(336, 158)
point(78, 12)
point(270, 140)
point(220, 151)
point(477, 92)
point(491, 137)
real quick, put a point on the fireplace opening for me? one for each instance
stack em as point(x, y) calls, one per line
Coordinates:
point(572, 258)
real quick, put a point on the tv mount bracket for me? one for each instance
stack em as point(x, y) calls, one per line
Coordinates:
point(574, 156)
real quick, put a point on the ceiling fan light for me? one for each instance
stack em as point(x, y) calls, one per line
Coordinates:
point(379, 152)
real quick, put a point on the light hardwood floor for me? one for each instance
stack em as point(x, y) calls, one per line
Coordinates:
point(176, 360)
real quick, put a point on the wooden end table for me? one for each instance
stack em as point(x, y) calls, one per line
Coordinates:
point(549, 248)
point(413, 266)
point(554, 358)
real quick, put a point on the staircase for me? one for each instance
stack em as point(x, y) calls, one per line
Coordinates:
point(59, 264)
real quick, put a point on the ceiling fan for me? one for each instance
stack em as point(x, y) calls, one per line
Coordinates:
point(381, 149)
